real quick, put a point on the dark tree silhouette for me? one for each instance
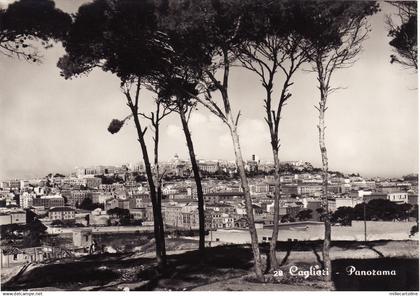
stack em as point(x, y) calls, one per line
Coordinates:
point(402, 28)
point(343, 215)
point(25, 22)
point(274, 50)
point(214, 30)
point(338, 30)
point(382, 209)
point(304, 215)
point(121, 37)
point(87, 204)
point(176, 94)
point(155, 118)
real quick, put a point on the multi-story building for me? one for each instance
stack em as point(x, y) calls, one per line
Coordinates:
point(216, 197)
point(139, 201)
point(347, 202)
point(189, 219)
point(252, 165)
point(222, 221)
point(15, 184)
point(139, 214)
point(25, 200)
point(93, 182)
point(210, 167)
point(75, 197)
point(314, 190)
point(73, 182)
point(48, 201)
point(124, 204)
point(172, 214)
point(259, 188)
point(61, 213)
point(398, 197)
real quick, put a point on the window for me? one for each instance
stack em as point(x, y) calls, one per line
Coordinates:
point(14, 257)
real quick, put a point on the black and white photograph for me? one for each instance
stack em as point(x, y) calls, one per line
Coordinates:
point(209, 145)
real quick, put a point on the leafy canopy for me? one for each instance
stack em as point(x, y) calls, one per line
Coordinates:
point(25, 21)
point(117, 36)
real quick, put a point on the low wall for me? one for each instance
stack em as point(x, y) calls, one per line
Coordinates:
point(376, 230)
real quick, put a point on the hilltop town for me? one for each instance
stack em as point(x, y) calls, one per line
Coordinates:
point(104, 196)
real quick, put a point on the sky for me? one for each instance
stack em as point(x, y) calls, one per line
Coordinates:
point(49, 124)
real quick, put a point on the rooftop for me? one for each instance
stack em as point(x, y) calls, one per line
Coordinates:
point(62, 209)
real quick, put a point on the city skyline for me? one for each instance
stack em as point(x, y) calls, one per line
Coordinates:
point(50, 124)
point(130, 165)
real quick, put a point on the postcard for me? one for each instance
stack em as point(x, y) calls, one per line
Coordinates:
point(209, 145)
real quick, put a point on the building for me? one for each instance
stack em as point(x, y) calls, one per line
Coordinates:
point(222, 221)
point(347, 202)
point(48, 201)
point(75, 197)
point(25, 200)
point(111, 204)
point(124, 204)
point(62, 213)
point(209, 167)
point(172, 214)
point(11, 256)
point(98, 217)
point(398, 197)
point(82, 238)
point(189, 219)
point(139, 214)
point(241, 223)
point(252, 165)
point(259, 188)
point(93, 182)
point(8, 217)
point(216, 197)
point(139, 201)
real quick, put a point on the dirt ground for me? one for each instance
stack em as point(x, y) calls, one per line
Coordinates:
point(224, 268)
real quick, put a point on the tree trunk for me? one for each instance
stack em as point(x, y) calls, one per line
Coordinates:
point(161, 259)
point(197, 178)
point(248, 200)
point(158, 186)
point(323, 148)
point(161, 226)
point(274, 237)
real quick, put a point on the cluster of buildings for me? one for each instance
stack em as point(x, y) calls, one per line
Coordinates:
point(60, 197)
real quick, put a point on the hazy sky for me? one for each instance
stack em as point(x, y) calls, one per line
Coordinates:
point(48, 124)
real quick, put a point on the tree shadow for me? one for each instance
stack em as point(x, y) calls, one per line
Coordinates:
point(318, 258)
point(289, 248)
point(189, 270)
point(92, 270)
point(371, 247)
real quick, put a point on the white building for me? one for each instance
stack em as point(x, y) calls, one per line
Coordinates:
point(25, 200)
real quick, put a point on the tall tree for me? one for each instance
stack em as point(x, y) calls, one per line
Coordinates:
point(274, 48)
point(25, 22)
point(120, 37)
point(338, 30)
point(214, 27)
point(155, 118)
point(402, 28)
point(178, 94)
